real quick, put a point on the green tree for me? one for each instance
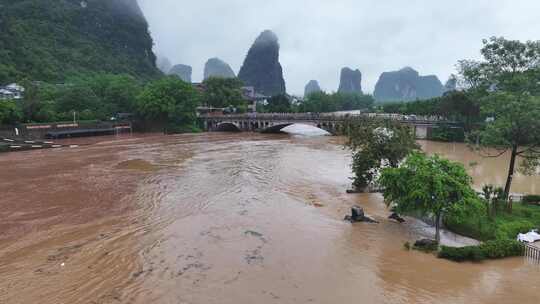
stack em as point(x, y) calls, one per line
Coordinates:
point(169, 101)
point(377, 143)
point(117, 93)
point(431, 185)
point(508, 82)
point(39, 102)
point(53, 41)
point(279, 104)
point(10, 113)
point(460, 106)
point(78, 98)
point(223, 92)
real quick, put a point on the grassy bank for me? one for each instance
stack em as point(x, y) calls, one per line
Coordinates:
point(475, 222)
point(496, 249)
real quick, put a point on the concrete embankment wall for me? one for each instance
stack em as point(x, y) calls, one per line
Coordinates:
point(63, 129)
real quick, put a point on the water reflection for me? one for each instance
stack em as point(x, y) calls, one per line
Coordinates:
point(484, 170)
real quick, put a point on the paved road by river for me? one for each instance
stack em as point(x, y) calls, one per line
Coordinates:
point(224, 218)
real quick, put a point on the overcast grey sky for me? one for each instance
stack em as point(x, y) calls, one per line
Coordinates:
point(319, 37)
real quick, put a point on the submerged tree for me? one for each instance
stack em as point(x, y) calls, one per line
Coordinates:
point(507, 83)
point(431, 185)
point(376, 144)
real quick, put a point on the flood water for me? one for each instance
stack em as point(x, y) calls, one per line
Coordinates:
point(225, 218)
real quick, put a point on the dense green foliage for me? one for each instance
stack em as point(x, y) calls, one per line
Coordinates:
point(171, 103)
point(96, 97)
point(321, 102)
point(532, 199)
point(375, 144)
point(447, 133)
point(499, 106)
point(508, 82)
point(429, 184)
point(165, 104)
point(223, 92)
point(53, 41)
point(10, 113)
point(472, 220)
point(455, 105)
point(278, 104)
point(489, 250)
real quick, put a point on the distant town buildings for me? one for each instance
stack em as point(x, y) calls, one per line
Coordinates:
point(253, 98)
point(11, 91)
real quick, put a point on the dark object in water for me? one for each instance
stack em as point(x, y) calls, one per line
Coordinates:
point(395, 216)
point(426, 245)
point(357, 215)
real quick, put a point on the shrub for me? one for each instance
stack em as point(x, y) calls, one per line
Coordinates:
point(447, 134)
point(502, 248)
point(468, 253)
point(489, 250)
point(532, 199)
point(4, 148)
point(510, 229)
point(472, 221)
point(406, 246)
point(426, 246)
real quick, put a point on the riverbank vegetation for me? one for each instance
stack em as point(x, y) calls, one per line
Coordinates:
point(499, 106)
point(431, 185)
point(376, 143)
point(436, 188)
point(473, 221)
point(224, 92)
point(509, 78)
point(167, 104)
point(495, 249)
point(97, 97)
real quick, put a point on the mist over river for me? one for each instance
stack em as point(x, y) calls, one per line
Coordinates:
point(226, 218)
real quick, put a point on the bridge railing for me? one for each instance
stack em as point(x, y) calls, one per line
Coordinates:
point(327, 117)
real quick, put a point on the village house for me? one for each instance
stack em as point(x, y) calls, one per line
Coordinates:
point(11, 91)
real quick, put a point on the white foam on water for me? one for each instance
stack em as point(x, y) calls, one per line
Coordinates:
point(304, 130)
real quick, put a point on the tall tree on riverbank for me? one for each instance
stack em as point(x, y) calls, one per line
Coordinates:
point(431, 185)
point(170, 103)
point(222, 92)
point(376, 144)
point(508, 82)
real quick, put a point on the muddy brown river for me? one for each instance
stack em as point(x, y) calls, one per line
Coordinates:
point(225, 218)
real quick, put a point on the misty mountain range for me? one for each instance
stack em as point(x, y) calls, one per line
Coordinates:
point(122, 44)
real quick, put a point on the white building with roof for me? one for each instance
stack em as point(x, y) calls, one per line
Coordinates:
point(11, 91)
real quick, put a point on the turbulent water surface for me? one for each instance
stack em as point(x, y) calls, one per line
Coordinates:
point(225, 218)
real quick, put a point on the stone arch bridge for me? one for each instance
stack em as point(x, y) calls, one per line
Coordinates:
point(274, 123)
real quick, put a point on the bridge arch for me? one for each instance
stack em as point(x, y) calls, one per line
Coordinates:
point(228, 127)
